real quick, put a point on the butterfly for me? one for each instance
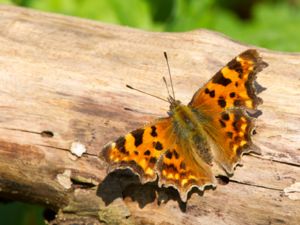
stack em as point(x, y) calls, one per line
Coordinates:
point(198, 141)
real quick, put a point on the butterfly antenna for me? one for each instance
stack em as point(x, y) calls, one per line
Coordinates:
point(130, 87)
point(166, 57)
point(165, 81)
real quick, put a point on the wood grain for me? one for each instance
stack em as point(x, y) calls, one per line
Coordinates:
point(67, 76)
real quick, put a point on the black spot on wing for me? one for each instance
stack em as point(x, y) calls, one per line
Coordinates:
point(169, 154)
point(236, 66)
point(138, 136)
point(225, 116)
point(157, 145)
point(220, 79)
point(120, 144)
point(229, 134)
point(212, 93)
point(232, 94)
point(152, 160)
point(222, 102)
point(153, 131)
point(171, 168)
point(147, 152)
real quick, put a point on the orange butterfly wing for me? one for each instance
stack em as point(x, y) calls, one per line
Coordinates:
point(226, 99)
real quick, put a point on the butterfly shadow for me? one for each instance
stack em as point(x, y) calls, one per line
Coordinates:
point(123, 183)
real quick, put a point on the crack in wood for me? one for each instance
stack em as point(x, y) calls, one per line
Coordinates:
point(45, 133)
point(21, 130)
point(58, 148)
point(142, 112)
point(255, 185)
point(275, 160)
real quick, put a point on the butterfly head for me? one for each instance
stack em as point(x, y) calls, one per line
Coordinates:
point(174, 104)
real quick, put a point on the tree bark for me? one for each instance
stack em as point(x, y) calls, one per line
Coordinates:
point(62, 85)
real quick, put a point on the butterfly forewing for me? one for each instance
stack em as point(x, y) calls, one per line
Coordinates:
point(177, 169)
point(233, 85)
point(140, 149)
point(225, 99)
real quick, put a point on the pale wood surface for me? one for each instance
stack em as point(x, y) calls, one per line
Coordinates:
point(68, 75)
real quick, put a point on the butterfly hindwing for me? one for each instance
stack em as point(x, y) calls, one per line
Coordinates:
point(176, 169)
point(231, 134)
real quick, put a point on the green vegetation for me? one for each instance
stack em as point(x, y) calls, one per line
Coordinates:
point(21, 213)
point(273, 24)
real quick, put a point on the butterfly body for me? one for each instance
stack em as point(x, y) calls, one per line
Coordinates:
point(188, 125)
point(212, 131)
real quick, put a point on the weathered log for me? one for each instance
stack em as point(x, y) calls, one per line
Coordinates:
point(62, 83)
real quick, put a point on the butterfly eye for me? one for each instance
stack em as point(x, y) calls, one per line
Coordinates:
point(170, 113)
